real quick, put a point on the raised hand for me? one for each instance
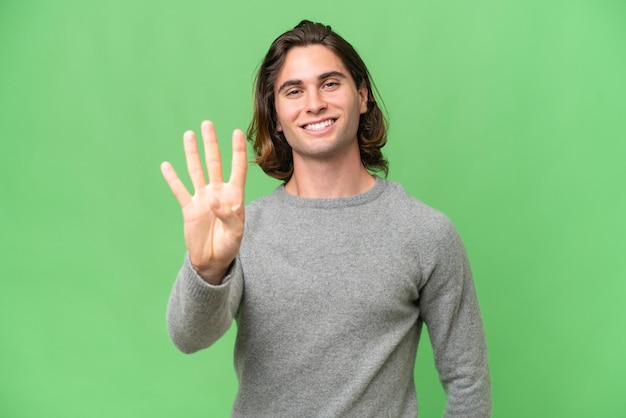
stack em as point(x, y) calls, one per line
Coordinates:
point(214, 215)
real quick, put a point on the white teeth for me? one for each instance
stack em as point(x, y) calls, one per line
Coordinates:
point(319, 126)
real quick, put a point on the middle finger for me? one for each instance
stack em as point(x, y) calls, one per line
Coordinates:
point(212, 153)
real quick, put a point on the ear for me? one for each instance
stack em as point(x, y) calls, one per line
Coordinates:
point(279, 127)
point(363, 96)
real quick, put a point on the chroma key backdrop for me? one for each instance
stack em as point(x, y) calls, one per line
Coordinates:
point(507, 116)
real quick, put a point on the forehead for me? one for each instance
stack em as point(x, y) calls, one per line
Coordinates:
point(306, 63)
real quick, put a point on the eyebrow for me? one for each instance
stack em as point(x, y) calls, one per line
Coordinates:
point(322, 76)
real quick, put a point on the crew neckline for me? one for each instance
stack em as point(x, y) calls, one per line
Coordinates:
point(332, 202)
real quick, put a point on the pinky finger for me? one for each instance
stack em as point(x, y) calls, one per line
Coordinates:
point(177, 186)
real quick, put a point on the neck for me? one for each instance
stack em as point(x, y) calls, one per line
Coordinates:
point(329, 179)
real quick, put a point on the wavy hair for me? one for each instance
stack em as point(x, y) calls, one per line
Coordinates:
point(272, 152)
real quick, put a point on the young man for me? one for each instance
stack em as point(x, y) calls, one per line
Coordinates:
point(330, 277)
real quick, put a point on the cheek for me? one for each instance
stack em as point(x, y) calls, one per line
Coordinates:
point(285, 115)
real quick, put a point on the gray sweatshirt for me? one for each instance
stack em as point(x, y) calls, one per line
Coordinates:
point(330, 296)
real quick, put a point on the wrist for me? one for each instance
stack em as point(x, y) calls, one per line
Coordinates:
point(213, 273)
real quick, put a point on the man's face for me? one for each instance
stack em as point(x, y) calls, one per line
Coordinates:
point(318, 105)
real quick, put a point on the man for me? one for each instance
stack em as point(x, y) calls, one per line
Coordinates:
point(330, 277)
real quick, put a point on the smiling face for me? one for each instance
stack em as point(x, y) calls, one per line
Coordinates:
point(318, 105)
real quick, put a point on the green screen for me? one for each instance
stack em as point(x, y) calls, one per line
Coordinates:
point(507, 116)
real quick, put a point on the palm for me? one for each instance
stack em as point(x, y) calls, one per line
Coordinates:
point(214, 215)
point(201, 224)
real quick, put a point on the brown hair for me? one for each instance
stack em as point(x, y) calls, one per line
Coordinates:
point(272, 152)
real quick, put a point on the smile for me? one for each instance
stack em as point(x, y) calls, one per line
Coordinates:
point(319, 125)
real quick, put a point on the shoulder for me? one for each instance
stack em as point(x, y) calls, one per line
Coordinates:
point(412, 209)
point(432, 228)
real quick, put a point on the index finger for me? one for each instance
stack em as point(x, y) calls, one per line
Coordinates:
point(239, 165)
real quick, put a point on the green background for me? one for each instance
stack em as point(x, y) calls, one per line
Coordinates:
point(507, 116)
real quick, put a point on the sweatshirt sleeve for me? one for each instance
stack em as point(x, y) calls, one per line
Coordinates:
point(449, 307)
point(199, 313)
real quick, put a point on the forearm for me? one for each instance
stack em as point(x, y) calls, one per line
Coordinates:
point(460, 351)
point(464, 373)
point(199, 313)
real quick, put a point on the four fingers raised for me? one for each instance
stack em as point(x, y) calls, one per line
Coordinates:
point(213, 162)
point(216, 202)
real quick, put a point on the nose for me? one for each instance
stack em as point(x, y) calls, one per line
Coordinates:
point(315, 102)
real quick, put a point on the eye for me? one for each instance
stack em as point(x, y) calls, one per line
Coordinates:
point(330, 85)
point(293, 92)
